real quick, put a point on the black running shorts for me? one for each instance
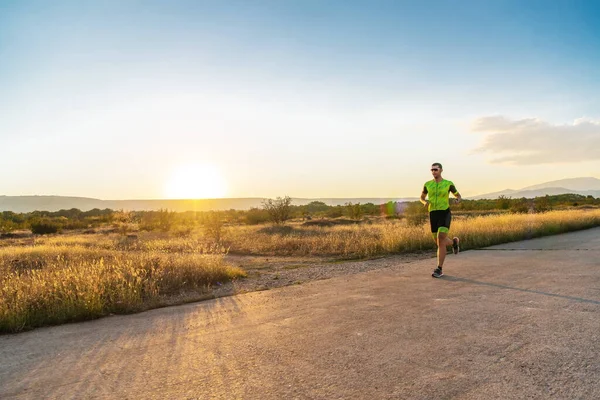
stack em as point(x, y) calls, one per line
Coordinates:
point(440, 220)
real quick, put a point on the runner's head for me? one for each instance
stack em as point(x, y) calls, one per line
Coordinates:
point(436, 169)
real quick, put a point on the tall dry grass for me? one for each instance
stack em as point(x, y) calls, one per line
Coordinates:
point(397, 236)
point(50, 284)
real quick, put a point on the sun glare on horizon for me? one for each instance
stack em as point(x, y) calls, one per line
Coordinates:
point(196, 181)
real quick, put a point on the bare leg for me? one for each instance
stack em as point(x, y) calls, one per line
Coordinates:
point(442, 241)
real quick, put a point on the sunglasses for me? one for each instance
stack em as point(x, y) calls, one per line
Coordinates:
point(435, 169)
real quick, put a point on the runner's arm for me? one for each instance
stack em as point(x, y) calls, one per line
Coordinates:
point(423, 195)
point(456, 194)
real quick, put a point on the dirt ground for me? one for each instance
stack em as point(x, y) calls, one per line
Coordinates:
point(272, 272)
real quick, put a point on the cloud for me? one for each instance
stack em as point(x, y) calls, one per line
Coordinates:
point(532, 141)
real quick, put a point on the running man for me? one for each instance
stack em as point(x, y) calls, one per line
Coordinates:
point(437, 190)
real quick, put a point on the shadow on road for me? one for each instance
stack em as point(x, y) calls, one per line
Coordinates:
point(466, 280)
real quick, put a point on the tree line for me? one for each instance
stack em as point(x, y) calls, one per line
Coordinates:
point(276, 211)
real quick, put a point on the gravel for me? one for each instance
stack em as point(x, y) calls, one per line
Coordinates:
point(266, 273)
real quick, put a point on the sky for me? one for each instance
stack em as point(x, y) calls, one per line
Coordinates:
point(312, 99)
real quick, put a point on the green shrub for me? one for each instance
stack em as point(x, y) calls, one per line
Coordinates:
point(415, 213)
point(256, 216)
point(542, 204)
point(353, 211)
point(334, 212)
point(44, 227)
point(503, 203)
point(161, 220)
point(520, 206)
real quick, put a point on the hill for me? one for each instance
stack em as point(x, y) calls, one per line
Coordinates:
point(23, 204)
point(586, 186)
point(574, 184)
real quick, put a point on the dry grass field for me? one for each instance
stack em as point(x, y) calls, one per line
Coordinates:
point(397, 236)
point(48, 280)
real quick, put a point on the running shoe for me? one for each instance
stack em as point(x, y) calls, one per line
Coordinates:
point(456, 245)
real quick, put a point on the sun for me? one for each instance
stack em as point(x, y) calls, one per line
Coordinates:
point(196, 181)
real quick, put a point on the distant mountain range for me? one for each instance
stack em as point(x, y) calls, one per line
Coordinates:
point(587, 186)
point(55, 203)
point(584, 186)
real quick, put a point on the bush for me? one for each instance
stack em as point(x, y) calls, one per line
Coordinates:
point(256, 216)
point(279, 210)
point(353, 211)
point(542, 204)
point(123, 221)
point(520, 206)
point(415, 213)
point(503, 203)
point(44, 227)
point(7, 226)
point(314, 207)
point(334, 212)
point(161, 220)
point(213, 225)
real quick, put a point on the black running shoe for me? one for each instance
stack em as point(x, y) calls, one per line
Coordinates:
point(456, 245)
point(437, 273)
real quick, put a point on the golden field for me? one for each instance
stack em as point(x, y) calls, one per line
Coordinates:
point(396, 236)
point(54, 279)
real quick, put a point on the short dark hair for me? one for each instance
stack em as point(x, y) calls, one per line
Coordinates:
point(437, 164)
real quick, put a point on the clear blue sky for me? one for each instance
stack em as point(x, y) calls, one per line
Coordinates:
point(134, 99)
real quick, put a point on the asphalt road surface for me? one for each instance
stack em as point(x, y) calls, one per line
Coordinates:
point(514, 321)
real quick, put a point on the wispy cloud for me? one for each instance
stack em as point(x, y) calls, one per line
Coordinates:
point(533, 141)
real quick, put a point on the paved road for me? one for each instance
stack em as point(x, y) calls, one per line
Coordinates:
point(510, 322)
